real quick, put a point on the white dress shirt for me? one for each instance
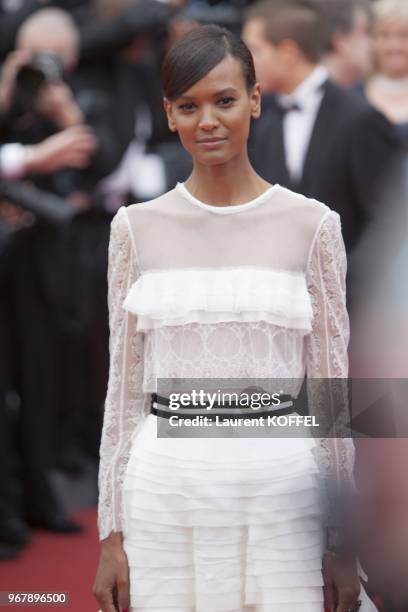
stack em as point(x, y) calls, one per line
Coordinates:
point(139, 172)
point(298, 124)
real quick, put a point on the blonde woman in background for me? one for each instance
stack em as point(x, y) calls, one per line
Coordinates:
point(388, 87)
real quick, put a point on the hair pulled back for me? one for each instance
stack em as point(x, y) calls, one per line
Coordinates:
point(193, 56)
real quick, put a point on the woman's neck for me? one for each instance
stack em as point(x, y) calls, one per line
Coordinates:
point(390, 96)
point(391, 83)
point(226, 184)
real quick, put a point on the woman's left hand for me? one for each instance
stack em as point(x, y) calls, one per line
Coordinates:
point(341, 583)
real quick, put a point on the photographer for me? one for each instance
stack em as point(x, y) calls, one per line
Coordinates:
point(43, 91)
point(40, 108)
point(23, 471)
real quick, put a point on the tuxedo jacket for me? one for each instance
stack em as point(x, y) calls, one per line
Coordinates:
point(353, 162)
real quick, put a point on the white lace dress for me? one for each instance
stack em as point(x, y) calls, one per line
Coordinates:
point(198, 291)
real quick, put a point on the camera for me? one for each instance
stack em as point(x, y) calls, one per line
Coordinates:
point(43, 68)
point(44, 205)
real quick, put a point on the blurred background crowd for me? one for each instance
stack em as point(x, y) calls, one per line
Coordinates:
point(83, 131)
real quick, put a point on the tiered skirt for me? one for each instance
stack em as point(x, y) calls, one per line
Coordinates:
point(223, 525)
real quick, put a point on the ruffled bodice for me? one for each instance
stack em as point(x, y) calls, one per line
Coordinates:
point(164, 298)
point(256, 293)
point(241, 322)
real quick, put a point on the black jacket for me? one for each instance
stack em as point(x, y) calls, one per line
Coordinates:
point(353, 163)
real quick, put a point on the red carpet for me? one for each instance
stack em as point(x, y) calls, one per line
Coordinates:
point(57, 563)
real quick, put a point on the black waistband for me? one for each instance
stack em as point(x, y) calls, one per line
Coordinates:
point(285, 406)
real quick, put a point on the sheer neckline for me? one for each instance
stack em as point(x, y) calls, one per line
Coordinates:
point(225, 210)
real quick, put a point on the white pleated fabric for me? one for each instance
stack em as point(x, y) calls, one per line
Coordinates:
point(222, 525)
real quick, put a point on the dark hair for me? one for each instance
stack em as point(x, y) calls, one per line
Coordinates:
point(302, 21)
point(340, 17)
point(193, 56)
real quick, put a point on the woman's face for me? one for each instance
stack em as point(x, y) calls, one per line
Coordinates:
point(391, 47)
point(212, 118)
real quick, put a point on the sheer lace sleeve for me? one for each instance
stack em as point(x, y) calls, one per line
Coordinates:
point(125, 402)
point(327, 364)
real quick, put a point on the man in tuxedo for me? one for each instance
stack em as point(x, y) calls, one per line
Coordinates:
point(313, 136)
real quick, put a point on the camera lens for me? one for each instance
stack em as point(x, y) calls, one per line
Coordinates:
point(43, 68)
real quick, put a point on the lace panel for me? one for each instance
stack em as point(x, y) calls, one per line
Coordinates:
point(326, 358)
point(125, 405)
point(231, 350)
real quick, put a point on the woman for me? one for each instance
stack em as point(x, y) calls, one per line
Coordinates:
point(388, 88)
point(224, 276)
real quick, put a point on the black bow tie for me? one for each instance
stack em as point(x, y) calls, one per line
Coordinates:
point(283, 109)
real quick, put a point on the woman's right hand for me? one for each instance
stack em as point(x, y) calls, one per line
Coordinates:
point(112, 575)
